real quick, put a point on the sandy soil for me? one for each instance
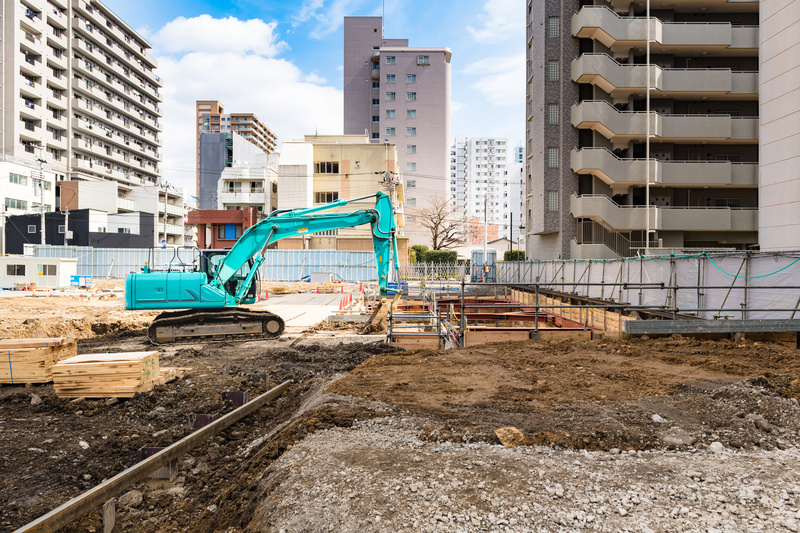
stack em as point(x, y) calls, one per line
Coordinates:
point(663, 397)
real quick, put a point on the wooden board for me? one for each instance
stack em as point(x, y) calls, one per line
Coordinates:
point(31, 360)
point(106, 375)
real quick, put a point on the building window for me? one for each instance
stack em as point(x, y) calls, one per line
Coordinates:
point(390, 113)
point(62, 228)
point(229, 231)
point(411, 184)
point(376, 118)
point(390, 131)
point(411, 166)
point(326, 167)
point(31, 228)
point(552, 26)
point(48, 270)
point(552, 157)
point(411, 148)
point(234, 186)
point(552, 70)
point(391, 60)
point(123, 230)
point(376, 66)
point(411, 202)
point(411, 96)
point(376, 101)
point(390, 78)
point(325, 197)
point(552, 200)
point(411, 131)
point(411, 78)
point(376, 85)
point(552, 113)
point(15, 270)
point(19, 179)
point(423, 60)
point(11, 203)
point(390, 96)
point(376, 135)
point(411, 113)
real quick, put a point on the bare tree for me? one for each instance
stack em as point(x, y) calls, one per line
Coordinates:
point(447, 225)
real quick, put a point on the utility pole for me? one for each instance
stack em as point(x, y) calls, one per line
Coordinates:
point(3, 235)
point(66, 226)
point(485, 229)
point(40, 180)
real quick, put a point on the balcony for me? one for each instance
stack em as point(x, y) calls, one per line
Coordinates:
point(621, 174)
point(242, 197)
point(751, 6)
point(125, 204)
point(621, 81)
point(601, 208)
point(621, 127)
point(170, 209)
point(621, 34)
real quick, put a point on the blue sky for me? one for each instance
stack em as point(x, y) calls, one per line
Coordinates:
point(283, 61)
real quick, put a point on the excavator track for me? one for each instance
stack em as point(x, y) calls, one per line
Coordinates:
point(233, 323)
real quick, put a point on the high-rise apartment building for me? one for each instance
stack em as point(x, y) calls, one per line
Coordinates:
point(587, 176)
point(80, 92)
point(211, 118)
point(401, 95)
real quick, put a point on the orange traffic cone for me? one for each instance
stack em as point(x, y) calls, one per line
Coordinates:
point(317, 289)
point(351, 298)
point(342, 289)
point(341, 304)
point(360, 287)
point(266, 295)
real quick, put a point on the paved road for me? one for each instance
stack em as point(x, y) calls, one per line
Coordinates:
point(302, 310)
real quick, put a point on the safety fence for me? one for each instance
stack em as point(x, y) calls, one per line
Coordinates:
point(279, 265)
point(433, 271)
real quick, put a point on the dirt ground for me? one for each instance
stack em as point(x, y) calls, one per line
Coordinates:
point(675, 394)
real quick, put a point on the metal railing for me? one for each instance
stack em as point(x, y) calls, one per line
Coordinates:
point(433, 271)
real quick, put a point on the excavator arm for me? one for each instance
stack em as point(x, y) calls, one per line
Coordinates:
point(282, 224)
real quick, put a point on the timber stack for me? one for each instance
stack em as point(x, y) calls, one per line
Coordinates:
point(32, 360)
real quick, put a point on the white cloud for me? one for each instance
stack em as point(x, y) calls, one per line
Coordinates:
point(502, 20)
point(501, 80)
point(328, 19)
point(245, 77)
point(207, 34)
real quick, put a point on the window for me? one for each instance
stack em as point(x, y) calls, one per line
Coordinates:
point(11, 203)
point(376, 66)
point(234, 186)
point(552, 113)
point(229, 231)
point(390, 78)
point(552, 157)
point(390, 113)
point(411, 166)
point(376, 101)
point(19, 179)
point(552, 200)
point(411, 113)
point(48, 270)
point(411, 131)
point(376, 135)
point(411, 219)
point(411, 148)
point(31, 228)
point(411, 184)
point(411, 96)
point(390, 131)
point(376, 85)
point(411, 202)
point(62, 228)
point(15, 270)
point(411, 78)
point(123, 230)
point(326, 167)
point(552, 70)
point(391, 60)
point(423, 60)
point(390, 96)
point(376, 118)
point(552, 26)
point(325, 197)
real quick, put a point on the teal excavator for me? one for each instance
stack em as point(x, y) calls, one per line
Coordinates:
point(209, 292)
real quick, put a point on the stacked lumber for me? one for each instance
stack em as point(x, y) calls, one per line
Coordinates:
point(31, 360)
point(109, 375)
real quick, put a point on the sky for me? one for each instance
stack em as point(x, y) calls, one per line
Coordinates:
point(282, 61)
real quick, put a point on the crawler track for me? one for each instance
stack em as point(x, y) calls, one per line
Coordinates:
point(235, 323)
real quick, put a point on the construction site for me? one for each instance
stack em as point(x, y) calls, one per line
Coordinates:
point(648, 394)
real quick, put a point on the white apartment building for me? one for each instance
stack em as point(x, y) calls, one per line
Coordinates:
point(479, 184)
point(24, 188)
point(80, 92)
point(251, 180)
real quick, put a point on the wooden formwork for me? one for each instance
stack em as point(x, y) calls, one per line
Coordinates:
point(592, 317)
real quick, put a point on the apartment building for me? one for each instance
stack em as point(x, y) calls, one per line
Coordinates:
point(80, 92)
point(400, 95)
point(324, 168)
point(163, 207)
point(479, 186)
point(588, 174)
point(211, 118)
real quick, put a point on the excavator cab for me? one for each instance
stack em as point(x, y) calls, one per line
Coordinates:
point(209, 262)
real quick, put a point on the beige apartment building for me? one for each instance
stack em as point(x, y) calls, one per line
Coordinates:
point(324, 168)
point(211, 118)
point(400, 95)
point(587, 161)
point(80, 92)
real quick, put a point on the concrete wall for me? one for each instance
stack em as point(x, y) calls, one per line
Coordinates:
point(212, 156)
point(779, 154)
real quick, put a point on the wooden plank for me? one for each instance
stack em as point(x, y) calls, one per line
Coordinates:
point(6, 344)
point(106, 375)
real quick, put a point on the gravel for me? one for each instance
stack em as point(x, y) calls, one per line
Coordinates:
point(378, 476)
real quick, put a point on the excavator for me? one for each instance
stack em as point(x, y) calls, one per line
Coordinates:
point(209, 292)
